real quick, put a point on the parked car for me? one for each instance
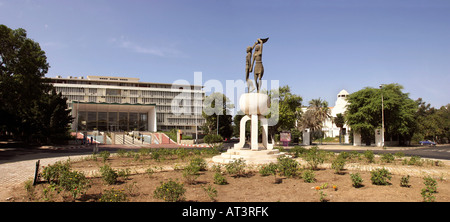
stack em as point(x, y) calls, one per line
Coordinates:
point(427, 142)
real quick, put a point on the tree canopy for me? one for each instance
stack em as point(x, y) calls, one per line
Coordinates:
point(285, 109)
point(364, 112)
point(217, 105)
point(30, 108)
point(432, 124)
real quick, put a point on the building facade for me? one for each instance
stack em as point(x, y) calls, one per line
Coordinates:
point(329, 128)
point(106, 103)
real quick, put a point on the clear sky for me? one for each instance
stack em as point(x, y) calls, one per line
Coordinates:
point(316, 47)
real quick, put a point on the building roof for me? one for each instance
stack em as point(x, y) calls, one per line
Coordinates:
point(343, 92)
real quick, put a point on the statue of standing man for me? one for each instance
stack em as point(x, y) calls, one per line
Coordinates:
point(259, 68)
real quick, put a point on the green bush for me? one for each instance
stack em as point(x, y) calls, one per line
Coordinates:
point(338, 164)
point(199, 163)
point(287, 166)
point(74, 182)
point(124, 173)
point(268, 169)
point(108, 174)
point(314, 157)
point(213, 139)
point(387, 157)
point(309, 176)
point(297, 151)
point(429, 190)
point(404, 181)
point(414, 160)
point(380, 177)
point(368, 154)
point(356, 180)
point(170, 191)
point(211, 192)
point(105, 155)
point(236, 167)
point(113, 195)
point(52, 173)
point(62, 178)
point(219, 179)
point(190, 173)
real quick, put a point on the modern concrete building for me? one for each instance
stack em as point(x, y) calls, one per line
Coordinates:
point(106, 103)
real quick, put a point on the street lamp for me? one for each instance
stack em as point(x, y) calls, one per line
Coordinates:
point(382, 116)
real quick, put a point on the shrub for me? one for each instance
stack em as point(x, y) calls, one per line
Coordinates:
point(356, 180)
point(219, 179)
point(404, 181)
point(150, 171)
point(429, 190)
point(108, 174)
point(170, 191)
point(211, 191)
point(430, 184)
point(199, 163)
point(105, 155)
point(113, 195)
point(52, 173)
point(213, 139)
point(387, 157)
point(355, 155)
point(74, 182)
point(121, 152)
point(338, 164)
point(268, 169)
point(190, 173)
point(380, 176)
point(287, 166)
point(62, 178)
point(236, 167)
point(399, 154)
point(156, 155)
point(344, 155)
point(368, 154)
point(30, 189)
point(314, 157)
point(124, 173)
point(308, 176)
point(414, 160)
point(297, 151)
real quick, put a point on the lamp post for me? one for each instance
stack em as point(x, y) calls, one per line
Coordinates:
point(382, 116)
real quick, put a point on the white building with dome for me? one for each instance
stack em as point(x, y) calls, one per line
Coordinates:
point(329, 127)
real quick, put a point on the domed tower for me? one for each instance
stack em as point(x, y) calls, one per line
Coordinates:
point(341, 103)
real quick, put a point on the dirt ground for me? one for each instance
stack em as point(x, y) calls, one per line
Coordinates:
point(253, 187)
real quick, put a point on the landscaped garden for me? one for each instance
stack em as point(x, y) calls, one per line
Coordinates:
point(311, 175)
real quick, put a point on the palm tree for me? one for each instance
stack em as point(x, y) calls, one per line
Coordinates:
point(316, 114)
point(339, 121)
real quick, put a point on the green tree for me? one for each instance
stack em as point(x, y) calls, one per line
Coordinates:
point(432, 124)
point(339, 120)
point(29, 109)
point(364, 113)
point(285, 110)
point(314, 116)
point(217, 106)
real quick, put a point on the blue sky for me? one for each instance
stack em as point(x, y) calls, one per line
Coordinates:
point(315, 47)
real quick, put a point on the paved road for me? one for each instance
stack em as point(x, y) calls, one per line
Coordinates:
point(434, 152)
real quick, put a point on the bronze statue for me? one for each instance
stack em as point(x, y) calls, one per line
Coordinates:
point(259, 68)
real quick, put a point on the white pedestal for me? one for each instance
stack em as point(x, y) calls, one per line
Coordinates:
point(254, 105)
